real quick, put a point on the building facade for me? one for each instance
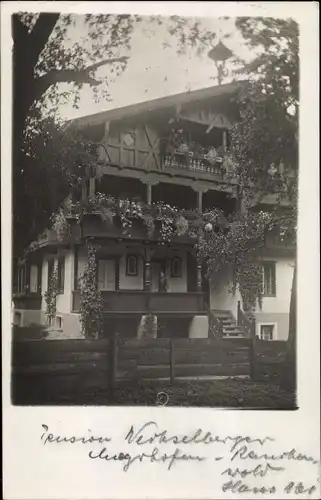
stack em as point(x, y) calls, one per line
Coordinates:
point(165, 153)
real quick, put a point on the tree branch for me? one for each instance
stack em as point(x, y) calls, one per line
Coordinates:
point(70, 76)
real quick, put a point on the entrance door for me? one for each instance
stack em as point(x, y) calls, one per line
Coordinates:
point(156, 267)
point(106, 274)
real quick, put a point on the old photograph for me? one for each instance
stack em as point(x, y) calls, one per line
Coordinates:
point(154, 186)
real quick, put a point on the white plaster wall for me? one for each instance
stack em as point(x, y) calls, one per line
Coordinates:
point(283, 276)
point(177, 285)
point(198, 327)
point(131, 282)
point(64, 299)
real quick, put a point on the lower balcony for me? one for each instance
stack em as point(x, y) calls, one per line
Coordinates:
point(129, 301)
point(27, 301)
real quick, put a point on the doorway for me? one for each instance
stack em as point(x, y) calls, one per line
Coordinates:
point(157, 266)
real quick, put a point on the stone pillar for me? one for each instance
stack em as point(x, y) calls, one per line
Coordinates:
point(147, 270)
point(199, 278)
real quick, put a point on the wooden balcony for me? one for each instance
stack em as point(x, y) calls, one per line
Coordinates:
point(194, 162)
point(27, 301)
point(94, 226)
point(139, 301)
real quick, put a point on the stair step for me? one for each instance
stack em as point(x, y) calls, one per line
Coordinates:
point(234, 336)
point(234, 332)
point(224, 316)
point(232, 327)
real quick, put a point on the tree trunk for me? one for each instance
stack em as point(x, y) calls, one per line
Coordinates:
point(290, 364)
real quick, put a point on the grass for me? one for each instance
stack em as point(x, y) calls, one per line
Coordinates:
point(227, 393)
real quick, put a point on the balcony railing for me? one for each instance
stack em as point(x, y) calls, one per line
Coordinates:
point(93, 226)
point(203, 160)
point(140, 301)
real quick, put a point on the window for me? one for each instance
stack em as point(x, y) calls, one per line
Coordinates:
point(61, 274)
point(132, 265)
point(266, 332)
point(176, 267)
point(21, 279)
point(269, 285)
point(106, 274)
point(34, 270)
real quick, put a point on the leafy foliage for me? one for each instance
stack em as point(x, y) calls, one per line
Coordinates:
point(91, 301)
point(46, 54)
point(149, 326)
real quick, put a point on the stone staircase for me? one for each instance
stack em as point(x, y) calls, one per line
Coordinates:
point(230, 329)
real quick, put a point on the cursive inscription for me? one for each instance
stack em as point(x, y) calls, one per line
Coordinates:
point(155, 456)
point(148, 434)
point(49, 437)
point(239, 460)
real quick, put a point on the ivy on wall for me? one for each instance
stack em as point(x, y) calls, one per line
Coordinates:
point(51, 296)
point(91, 301)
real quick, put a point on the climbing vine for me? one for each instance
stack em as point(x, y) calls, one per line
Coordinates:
point(91, 301)
point(51, 296)
point(60, 225)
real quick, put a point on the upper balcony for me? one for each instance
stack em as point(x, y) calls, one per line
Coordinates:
point(190, 159)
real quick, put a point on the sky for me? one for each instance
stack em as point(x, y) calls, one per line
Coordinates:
point(154, 72)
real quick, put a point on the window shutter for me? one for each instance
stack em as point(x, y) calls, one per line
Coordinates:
point(110, 280)
point(273, 277)
point(101, 274)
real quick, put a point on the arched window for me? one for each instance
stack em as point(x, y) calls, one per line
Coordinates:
point(132, 265)
point(176, 267)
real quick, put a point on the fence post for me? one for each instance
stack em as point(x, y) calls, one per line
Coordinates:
point(171, 361)
point(113, 361)
point(238, 317)
point(253, 349)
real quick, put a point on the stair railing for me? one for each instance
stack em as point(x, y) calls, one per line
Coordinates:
point(248, 324)
point(215, 326)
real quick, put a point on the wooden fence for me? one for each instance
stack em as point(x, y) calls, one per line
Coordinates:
point(47, 370)
point(173, 358)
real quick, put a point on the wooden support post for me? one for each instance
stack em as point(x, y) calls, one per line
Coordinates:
point(225, 139)
point(92, 186)
point(200, 201)
point(84, 190)
point(199, 287)
point(147, 270)
point(149, 193)
point(253, 351)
